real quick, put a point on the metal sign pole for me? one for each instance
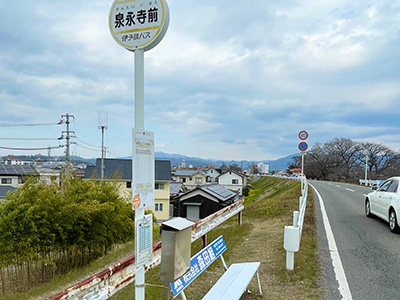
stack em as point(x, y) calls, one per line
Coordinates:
point(139, 124)
point(139, 33)
point(302, 170)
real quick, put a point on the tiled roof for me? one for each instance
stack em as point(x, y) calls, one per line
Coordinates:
point(215, 190)
point(4, 189)
point(187, 172)
point(122, 169)
point(175, 187)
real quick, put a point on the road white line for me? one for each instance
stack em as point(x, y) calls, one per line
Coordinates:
point(336, 261)
point(338, 186)
point(350, 190)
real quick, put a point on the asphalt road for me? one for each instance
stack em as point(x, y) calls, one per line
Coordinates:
point(369, 252)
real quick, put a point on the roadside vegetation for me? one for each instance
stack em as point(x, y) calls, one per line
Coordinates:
point(47, 231)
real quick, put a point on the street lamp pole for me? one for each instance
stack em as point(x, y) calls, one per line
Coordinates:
point(366, 168)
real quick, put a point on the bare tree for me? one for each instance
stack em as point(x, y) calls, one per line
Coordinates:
point(382, 161)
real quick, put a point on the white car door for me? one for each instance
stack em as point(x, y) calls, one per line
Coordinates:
point(389, 196)
point(381, 199)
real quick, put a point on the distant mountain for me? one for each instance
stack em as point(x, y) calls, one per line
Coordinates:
point(176, 159)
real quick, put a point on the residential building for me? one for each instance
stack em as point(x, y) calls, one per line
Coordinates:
point(233, 181)
point(14, 175)
point(119, 171)
point(162, 190)
point(12, 160)
point(295, 171)
point(190, 178)
point(212, 174)
point(50, 172)
point(263, 168)
point(205, 200)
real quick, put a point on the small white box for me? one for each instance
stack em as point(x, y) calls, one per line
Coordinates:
point(291, 240)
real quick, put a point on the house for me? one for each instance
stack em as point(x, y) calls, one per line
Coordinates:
point(190, 178)
point(11, 160)
point(212, 174)
point(233, 181)
point(175, 190)
point(263, 168)
point(13, 175)
point(295, 171)
point(205, 200)
point(50, 172)
point(119, 171)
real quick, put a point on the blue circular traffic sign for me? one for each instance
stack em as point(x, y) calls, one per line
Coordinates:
point(303, 146)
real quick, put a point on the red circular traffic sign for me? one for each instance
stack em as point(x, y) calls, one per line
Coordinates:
point(303, 135)
point(303, 146)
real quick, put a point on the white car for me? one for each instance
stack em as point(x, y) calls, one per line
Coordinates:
point(384, 202)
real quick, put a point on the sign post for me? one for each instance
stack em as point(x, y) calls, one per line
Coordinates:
point(138, 26)
point(303, 146)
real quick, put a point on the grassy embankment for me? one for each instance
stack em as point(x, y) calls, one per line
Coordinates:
point(268, 209)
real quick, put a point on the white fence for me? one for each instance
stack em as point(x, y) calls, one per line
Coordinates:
point(106, 283)
point(370, 182)
point(292, 234)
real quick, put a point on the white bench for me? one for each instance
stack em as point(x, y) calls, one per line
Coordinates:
point(234, 281)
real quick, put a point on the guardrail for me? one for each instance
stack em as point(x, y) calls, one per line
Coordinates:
point(106, 283)
point(370, 182)
point(292, 234)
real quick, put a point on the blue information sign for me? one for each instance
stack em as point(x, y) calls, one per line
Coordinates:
point(198, 264)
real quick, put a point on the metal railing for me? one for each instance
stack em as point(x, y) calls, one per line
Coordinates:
point(292, 234)
point(106, 283)
point(370, 182)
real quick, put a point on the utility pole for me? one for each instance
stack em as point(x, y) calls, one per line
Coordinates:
point(68, 135)
point(103, 124)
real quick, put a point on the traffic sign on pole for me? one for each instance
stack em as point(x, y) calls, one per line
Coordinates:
point(303, 146)
point(303, 135)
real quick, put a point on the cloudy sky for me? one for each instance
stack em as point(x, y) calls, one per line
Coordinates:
point(230, 80)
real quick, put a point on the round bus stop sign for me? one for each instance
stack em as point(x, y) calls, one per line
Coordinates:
point(303, 146)
point(138, 24)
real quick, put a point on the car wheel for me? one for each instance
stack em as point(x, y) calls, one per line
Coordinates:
point(393, 221)
point(368, 208)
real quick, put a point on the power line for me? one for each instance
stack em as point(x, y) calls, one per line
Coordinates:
point(31, 124)
point(80, 140)
point(29, 139)
point(31, 149)
point(91, 149)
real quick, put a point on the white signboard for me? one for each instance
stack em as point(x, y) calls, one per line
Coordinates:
point(138, 24)
point(143, 169)
point(143, 240)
